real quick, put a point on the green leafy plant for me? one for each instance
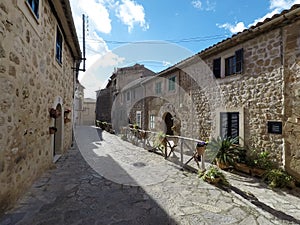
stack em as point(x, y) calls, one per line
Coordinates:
point(225, 150)
point(279, 178)
point(160, 140)
point(124, 137)
point(260, 160)
point(213, 175)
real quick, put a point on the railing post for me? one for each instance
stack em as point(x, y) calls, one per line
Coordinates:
point(144, 138)
point(202, 161)
point(181, 153)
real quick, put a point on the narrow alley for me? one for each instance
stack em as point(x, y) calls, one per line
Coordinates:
point(104, 180)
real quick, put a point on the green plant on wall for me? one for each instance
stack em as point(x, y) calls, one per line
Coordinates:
point(260, 160)
point(224, 150)
point(160, 141)
point(278, 178)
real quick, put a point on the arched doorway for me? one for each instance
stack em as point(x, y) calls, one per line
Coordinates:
point(169, 124)
point(58, 122)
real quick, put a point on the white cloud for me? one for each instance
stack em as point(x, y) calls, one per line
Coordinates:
point(207, 6)
point(238, 27)
point(275, 5)
point(165, 63)
point(197, 4)
point(282, 4)
point(210, 6)
point(110, 59)
point(97, 12)
point(131, 13)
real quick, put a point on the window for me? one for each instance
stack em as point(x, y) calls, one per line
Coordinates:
point(158, 88)
point(152, 121)
point(34, 5)
point(172, 83)
point(59, 40)
point(229, 122)
point(230, 65)
point(217, 67)
point(139, 118)
point(128, 96)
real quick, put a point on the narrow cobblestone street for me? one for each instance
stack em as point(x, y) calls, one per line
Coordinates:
point(103, 180)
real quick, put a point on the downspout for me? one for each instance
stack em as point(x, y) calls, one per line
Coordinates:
point(282, 60)
point(143, 106)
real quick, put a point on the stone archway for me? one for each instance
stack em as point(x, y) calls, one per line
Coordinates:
point(168, 118)
point(169, 121)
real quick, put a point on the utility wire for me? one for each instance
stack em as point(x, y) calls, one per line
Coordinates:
point(185, 40)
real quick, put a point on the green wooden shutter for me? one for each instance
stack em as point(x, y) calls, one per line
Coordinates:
point(217, 67)
point(239, 60)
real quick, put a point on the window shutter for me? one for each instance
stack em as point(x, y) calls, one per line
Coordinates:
point(217, 67)
point(234, 124)
point(239, 60)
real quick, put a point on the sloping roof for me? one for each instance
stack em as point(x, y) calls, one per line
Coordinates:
point(137, 82)
point(276, 21)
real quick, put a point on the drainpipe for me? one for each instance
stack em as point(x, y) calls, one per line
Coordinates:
point(143, 105)
point(283, 94)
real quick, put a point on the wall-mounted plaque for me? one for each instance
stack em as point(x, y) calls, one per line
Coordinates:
point(274, 127)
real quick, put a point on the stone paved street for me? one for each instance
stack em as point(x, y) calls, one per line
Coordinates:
point(103, 180)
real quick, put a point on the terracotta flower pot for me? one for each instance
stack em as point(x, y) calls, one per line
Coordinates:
point(52, 130)
point(54, 113)
point(242, 167)
point(200, 150)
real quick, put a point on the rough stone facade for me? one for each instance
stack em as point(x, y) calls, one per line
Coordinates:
point(88, 114)
point(104, 104)
point(266, 91)
point(32, 82)
point(118, 81)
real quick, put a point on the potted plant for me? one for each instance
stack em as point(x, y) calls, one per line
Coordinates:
point(200, 147)
point(213, 176)
point(160, 141)
point(52, 130)
point(226, 151)
point(67, 111)
point(54, 113)
point(259, 162)
point(278, 178)
point(67, 120)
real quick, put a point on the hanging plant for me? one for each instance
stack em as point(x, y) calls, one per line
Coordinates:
point(54, 113)
point(67, 111)
point(52, 130)
point(67, 120)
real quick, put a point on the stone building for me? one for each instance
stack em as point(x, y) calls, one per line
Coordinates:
point(247, 85)
point(39, 57)
point(88, 112)
point(118, 80)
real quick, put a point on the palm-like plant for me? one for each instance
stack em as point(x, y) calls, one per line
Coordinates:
point(225, 150)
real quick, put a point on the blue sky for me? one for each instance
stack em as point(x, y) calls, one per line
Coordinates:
point(159, 33)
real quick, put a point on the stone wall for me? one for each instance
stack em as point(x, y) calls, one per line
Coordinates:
point(31, 82)
point(257, 93)
point(89, 107)
point(291, 35)
point(104, 104)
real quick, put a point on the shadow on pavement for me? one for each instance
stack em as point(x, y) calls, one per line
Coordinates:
point(74, 193)
point(277, 213)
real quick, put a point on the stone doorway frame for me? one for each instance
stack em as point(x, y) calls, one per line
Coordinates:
point(58, 123)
